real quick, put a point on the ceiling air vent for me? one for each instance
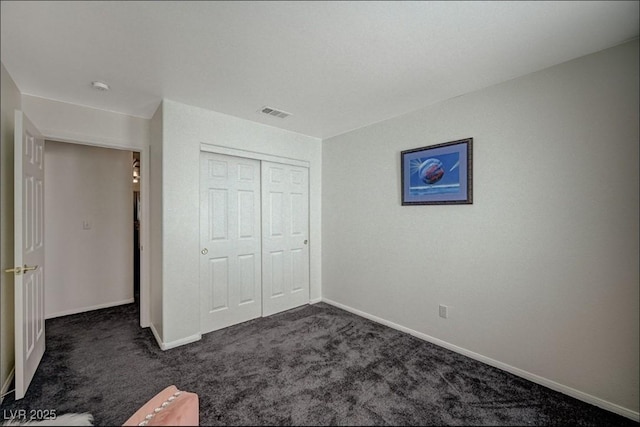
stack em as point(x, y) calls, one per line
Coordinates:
point(273, 112)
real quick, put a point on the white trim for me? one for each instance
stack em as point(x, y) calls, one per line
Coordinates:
point(157, 336)
point(77, 138)
point(145, 242)
point(5, 387)
point(315, 301)
point(173, 344)
point(585, 397)
point(219, 149)
point(181, 341)
point(93, 307)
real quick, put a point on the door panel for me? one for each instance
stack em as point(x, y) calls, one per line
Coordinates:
point(29, 251)
point(275, 218)
point(218, 208)
point(298, 279)
point(247, 268)
point(219, 283)
point(230, 237)
point(285, 250)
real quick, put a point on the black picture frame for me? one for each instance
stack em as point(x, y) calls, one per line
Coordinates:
point(440, 174)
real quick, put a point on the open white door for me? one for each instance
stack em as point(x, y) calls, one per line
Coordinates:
point(29, 251)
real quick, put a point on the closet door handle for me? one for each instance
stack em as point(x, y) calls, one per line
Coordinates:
point(204, 251)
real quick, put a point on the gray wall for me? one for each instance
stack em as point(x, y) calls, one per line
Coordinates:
point(541, 272)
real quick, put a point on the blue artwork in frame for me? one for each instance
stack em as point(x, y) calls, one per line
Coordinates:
point(438, 174)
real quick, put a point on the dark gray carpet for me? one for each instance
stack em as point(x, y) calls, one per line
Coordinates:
point(315, 365)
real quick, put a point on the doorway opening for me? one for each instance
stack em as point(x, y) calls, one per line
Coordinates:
point(93, 241)
point(137, 217)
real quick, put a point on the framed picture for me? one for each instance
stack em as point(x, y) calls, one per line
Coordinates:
point(438, 174)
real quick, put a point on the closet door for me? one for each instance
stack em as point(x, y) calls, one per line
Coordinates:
point(230, 267)
point(285, 234)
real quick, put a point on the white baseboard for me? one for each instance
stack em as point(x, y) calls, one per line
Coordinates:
point(182, 341)
point(173, 344)
point(315, 301)
point(7, 383)
point(90, 308)
point(596, 401)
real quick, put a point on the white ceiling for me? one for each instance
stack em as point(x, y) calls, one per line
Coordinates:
point(336, 66)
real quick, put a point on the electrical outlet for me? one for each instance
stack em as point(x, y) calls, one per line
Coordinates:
point(444, 311)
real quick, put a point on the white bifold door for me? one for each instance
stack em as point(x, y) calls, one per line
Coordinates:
point(254, 258)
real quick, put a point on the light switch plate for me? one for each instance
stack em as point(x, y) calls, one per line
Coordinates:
point(444, 311)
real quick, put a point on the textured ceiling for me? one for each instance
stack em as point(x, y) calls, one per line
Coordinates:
point(336, 66)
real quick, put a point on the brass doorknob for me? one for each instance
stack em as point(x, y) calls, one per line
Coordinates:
point(204, 251)
point(15, 270)
point(20, 270)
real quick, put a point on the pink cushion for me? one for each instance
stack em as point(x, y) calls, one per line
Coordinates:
point(180, 408)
